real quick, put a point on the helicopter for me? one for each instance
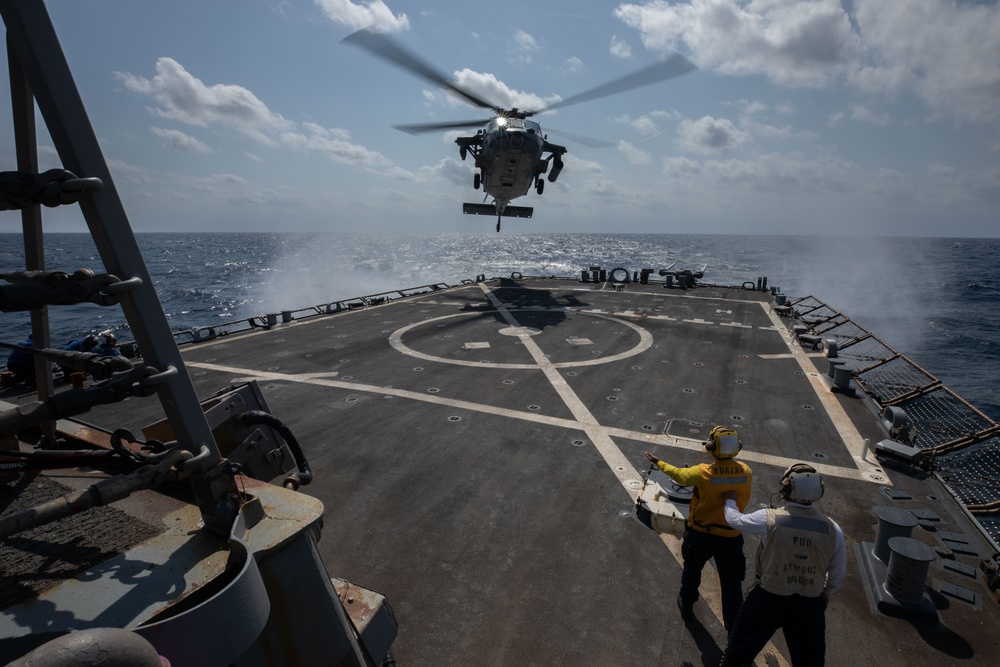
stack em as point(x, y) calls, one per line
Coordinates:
point(511, 152)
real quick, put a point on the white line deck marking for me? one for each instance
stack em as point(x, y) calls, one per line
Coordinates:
point(849, 434)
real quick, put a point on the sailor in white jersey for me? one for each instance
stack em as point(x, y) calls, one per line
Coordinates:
point(801, 560)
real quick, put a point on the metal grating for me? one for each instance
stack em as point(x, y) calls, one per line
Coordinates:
point(868, 351)
point(963, 440)
point(974, 476)
point(894, 379)
point(942, 417)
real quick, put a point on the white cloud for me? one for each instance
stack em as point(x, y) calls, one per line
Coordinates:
point(945, 52)
point(710, 135)
point(620, 48)
point(181, 141)
point(649, 124)
point(790, 41)
point(488, 87)
point(333, 145)
point(862, 113)
point(634, 155)
point(525, 42)
point(373, 14)
point(524, 46)
point(185, 99)
point(604, 188)
point(572, 65)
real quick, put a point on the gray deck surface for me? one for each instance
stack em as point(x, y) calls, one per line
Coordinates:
point(479, 451)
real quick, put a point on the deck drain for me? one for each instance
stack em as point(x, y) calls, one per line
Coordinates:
point(571, 374)
point(706, 342)
point(449, 335)
point(736, 418)
point(271, 386)
point(273, 368)
point(418, 368)
point(346, 377)
point(454, 418)
point(432, 390)
point(647, 427)
point(744, 356)
point(688, 391)
point(808, 407)
point(283, 354)
point(612, 398)
point(596, 352)
point(819, 455)
point(741, 382)
point(534, 407)
point(637, 368)
point(508, 382)
point(200, 373)
point(698, 363)
point(440, 326)
point(799, 373)
point(578, 443)
point(351, 399)
point(617, 390)
point(345, 361)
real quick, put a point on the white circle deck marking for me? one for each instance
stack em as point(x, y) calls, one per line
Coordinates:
point(645, 341)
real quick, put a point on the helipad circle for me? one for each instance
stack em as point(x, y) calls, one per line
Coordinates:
point(519, 331)
point(396, 341)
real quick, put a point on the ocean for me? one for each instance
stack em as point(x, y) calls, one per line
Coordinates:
point(932, 299)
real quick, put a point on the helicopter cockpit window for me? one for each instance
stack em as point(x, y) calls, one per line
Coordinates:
point(510, 123)
point(532, 125)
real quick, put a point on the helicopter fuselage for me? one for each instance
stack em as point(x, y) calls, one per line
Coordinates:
point(510, 156)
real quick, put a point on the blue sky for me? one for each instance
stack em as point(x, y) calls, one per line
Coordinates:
point(861, 117)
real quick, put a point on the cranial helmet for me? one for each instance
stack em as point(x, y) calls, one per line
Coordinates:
point(801, 484)
point(723, 442)
point(90, 342)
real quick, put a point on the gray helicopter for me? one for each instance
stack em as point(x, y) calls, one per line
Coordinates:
point(511, 152)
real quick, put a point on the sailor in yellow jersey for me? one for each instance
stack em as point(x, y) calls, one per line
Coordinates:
point(802, 559)
point(707, 535)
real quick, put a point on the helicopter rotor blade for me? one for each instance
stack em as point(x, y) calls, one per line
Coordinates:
point(674, 66)
point(580, 139)
point(420, 128)
point(381, 46)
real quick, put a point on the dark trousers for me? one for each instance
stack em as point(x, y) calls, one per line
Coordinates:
point(802, 619)
point(696, 549)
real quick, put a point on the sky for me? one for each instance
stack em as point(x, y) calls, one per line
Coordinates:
point(815, 117)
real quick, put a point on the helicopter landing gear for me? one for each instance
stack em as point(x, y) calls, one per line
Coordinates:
point(539, 185)
point(498, 224)
point(476, 181)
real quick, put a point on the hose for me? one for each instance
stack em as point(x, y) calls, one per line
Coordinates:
point(293, 481)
